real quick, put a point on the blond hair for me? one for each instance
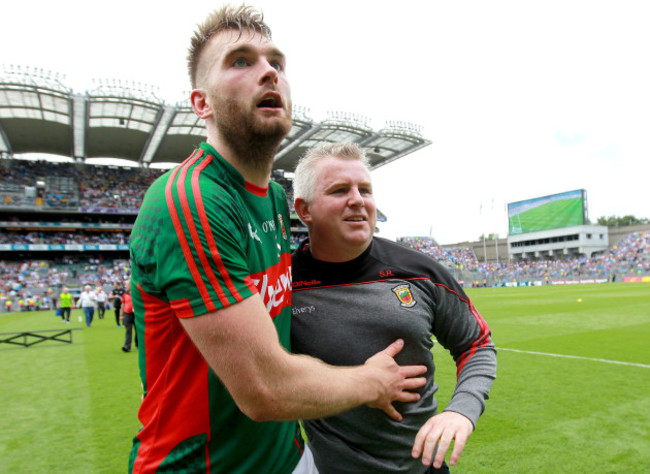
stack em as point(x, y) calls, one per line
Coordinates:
point(226, 18)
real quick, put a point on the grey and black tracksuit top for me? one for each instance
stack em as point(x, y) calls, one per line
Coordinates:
point(344, 313)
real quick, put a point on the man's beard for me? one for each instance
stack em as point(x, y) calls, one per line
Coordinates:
point(254, 141)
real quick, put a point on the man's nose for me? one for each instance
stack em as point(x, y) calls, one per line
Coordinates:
point(356, 199)
point(269, 73)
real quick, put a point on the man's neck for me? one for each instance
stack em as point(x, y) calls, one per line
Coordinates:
point(256, 171)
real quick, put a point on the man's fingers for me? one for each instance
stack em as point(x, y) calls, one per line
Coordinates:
point(393, 413)
point(413, 383)
point(407, 397)
point(394, 348)
point(413, 370)
point(436, 436)
point(432, 448)
point(420, 438)
point(459, 445)
point(443, 446)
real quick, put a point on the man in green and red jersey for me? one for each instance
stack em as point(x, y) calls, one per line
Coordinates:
point(211, 283)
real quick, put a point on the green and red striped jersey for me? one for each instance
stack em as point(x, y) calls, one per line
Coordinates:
point(205, 239)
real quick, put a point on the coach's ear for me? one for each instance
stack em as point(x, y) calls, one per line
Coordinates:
point(199, 100)
point(302, 209)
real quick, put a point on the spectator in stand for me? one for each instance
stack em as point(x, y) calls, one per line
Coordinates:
point(101, 302)
point(65, 304)
point(116, 297)
point(86, 302)
point(128, 318)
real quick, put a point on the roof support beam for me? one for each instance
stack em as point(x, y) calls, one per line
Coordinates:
point(5, 147)
point(79, 126)
point(159, 132)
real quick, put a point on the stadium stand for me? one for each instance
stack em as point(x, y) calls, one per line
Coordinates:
point(69, 223)
point(75, 232)
point(629, 257)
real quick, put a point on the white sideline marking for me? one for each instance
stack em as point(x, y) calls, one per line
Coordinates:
point(633, 364)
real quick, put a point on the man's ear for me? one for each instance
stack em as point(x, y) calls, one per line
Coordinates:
point(302, 209)
point(198, 97)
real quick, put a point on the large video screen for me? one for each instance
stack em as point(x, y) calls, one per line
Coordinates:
point(547, 212)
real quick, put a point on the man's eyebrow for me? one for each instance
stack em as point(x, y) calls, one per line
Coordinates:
point(339, 183)
point(248, 49)
point(336, 184)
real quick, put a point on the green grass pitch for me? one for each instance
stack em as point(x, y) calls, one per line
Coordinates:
point(572, 392)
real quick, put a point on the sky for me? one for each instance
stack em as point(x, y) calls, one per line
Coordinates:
point(520, 99)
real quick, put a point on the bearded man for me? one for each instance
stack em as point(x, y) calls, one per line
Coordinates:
point(211, 283)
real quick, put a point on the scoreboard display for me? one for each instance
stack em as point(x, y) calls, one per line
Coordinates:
point(548, 212)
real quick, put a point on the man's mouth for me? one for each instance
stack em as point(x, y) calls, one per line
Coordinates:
point(355, 219)
point(270, 101)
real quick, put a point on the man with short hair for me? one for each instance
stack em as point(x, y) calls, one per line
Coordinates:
point(100, 294)
point(354, 292)
point(127, 318)
point(65, 304)
point(86, 302)
point(116, 298)
point(211, 283)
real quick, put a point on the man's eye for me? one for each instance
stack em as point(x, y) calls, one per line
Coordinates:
point(277, 65)
point(239, 62)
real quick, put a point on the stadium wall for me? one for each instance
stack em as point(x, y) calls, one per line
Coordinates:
point(584, 240)
point(616, 233)
point(489, 250)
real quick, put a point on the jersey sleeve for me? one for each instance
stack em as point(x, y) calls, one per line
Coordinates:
point(192, 246)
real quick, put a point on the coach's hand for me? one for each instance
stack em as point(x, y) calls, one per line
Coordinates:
point(436, 435)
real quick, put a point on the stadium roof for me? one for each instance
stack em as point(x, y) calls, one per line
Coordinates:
point(39, 114)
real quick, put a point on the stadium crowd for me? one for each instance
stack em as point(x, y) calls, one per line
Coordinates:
point(64, 238)
point(451, 257)
point(631, 256)
point(39, 281)
point(121, 188)
point(93, 186)
point(75, 184)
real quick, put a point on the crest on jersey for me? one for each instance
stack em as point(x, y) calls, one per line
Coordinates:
point(284, 230)
point(404, 295)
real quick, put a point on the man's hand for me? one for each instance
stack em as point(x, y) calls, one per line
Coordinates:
point(395, 381)
point(436, 435)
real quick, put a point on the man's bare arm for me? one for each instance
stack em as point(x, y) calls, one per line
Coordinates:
point(241, 345)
